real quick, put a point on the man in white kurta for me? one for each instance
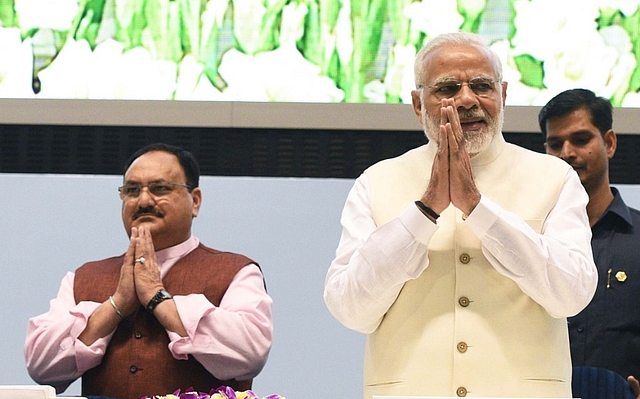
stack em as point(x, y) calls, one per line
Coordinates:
point(462, 259)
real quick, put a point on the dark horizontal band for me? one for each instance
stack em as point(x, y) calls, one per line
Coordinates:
point(427, 210)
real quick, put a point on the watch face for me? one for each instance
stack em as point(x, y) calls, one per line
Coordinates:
point(164, 295)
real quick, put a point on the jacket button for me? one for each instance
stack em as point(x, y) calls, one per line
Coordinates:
point(462, 347)
point(138, 335)
point(462, 391)
point(465, 258)
point(133, 369)
point(464, 301)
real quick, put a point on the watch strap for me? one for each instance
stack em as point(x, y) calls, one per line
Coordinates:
point(157, 299)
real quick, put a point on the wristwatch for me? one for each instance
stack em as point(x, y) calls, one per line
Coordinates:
point(158, 298)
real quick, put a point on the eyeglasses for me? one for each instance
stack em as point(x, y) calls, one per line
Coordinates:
point(482, 87)
point(157, 189)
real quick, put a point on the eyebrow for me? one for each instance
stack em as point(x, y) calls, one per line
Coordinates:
point(152, 181)
point(451, 79)
point(577, 133)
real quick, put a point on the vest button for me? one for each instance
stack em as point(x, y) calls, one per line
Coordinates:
point(133, 369)
point(462, 391)
point(465, 258)
point(464, 301)
point(462, 347)
point(138, 335)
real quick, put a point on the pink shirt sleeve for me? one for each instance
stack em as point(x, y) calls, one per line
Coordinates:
point(53, 353)
point(231, 341)
point(234, 339)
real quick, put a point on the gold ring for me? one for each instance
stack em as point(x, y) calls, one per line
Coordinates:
point(141, 260)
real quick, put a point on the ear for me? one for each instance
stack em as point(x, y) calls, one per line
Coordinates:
point(417, 104)
point(504, 93)
point(610, 143)
point(196, 195)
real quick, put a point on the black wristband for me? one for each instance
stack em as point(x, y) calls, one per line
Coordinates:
point(427, 210)
point(158, 298)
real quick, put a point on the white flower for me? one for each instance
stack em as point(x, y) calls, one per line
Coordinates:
point(130, 75)
point(107, 73)
point(248, 17)
point(343, 33)
point(399, 79)
point(193, 84)
point(592, 63)
point(573, 52)
point(212, 18)
point(565, 22)
point(517, 92)
point(620, 75)
point(16, 65)
point(214, 13)
point(68, 75)
point(46, 14)
point(292, 29)
point(279, 75)
point(375, 92)
point(434, 17)
point(472, 8)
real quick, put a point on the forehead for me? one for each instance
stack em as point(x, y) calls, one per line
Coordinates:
point(155, 165)
point(575, 121)
point(461, 62)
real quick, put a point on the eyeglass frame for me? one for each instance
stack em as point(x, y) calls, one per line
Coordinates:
point(450, 83)
point(173, 185)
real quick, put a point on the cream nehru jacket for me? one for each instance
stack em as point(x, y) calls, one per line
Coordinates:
point(461, 328)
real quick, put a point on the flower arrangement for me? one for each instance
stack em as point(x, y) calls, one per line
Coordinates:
point(223, 392)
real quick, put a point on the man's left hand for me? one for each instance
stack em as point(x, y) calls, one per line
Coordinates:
point(146, 274)
point(462, 187)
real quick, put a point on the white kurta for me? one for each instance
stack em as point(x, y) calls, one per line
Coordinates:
point(473, 307)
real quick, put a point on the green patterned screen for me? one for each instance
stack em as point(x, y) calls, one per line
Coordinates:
point(321, 51)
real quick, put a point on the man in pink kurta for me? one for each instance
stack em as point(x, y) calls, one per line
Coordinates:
point(169, 305)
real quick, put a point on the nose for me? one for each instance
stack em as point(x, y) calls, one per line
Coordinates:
point(466, 98)
point(567, 151)
point(145, 198)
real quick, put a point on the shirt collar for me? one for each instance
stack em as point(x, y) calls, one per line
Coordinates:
point(169, 256)
point(618, 207)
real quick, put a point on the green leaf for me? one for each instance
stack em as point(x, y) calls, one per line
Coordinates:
point(8, 17)
point(89, 21)
point(531, 70)
point(400, 25)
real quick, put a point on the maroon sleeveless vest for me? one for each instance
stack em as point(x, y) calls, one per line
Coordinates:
point(137, 361)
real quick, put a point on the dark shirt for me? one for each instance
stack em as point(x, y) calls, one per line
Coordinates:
point(607, 332)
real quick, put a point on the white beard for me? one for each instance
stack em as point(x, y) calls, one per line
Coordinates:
point(475, 140)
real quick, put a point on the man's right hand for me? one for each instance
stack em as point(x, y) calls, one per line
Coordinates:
point(105, 318)
point(451, 175)
point(125, 296)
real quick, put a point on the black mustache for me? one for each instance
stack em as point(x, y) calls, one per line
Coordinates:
point(147, 211)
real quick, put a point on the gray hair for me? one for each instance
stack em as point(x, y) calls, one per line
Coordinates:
point(454, 39)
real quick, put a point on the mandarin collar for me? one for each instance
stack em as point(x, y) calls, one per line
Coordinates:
point(177, 251)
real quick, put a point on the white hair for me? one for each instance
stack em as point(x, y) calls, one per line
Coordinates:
point(455, 39)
